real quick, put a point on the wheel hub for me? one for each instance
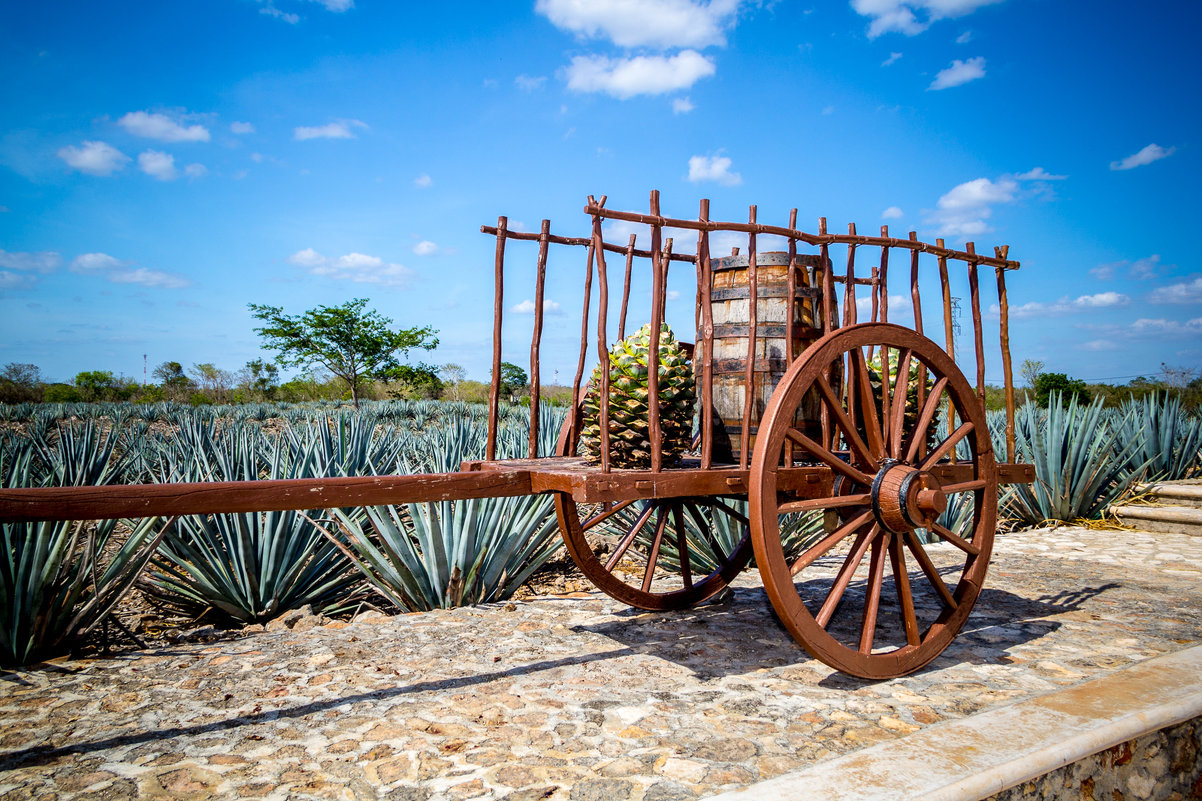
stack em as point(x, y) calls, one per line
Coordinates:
point(904, 498)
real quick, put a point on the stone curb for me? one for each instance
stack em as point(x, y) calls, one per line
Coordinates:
point(973, 758)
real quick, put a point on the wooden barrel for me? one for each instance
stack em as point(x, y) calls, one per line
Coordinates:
point(730, 299)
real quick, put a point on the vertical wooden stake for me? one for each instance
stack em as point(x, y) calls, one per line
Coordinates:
point(849, 288)
point(1004, 309)
point(883, 277)
point(657, 293)
point(974, 293)
point(494, 394)
point(536, 341)
point(916, 301)
point(749, 369)
point(602, 343)
point(574, 412)
point(707, 341)
point(790, 313)
point(626, 287)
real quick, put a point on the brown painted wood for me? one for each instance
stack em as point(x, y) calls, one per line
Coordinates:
point(974, 294)
point(574, 414)
point(657, 293)
point(494, 393)
point(855, 645)
point(753, 286)
point(810, 239)
point(706, 340)
point(536, 339)
point(626, 287)
point(163, 500)
point(602, 342)
point(1007, 371)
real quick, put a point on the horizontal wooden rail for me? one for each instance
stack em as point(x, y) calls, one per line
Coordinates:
point(582, 241)
point(793, 233)
point(161, 500)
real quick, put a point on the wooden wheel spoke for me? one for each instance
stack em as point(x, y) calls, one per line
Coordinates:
point(831, 402)
point(823, 455)
point(965, 486)
point(628, 540)
point(905, 598)
point(603, 516)
point(897, 412)
point(872, 592)
point(820, 548)
point(945, 447)
point(843, 578)
point(682, 546)
point(918, 436)
point(661, 525)
point(929, 569)
point(872, 423)
point(955, 539)
point(836, 502)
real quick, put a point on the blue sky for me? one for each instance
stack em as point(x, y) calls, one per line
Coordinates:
point(164, 164)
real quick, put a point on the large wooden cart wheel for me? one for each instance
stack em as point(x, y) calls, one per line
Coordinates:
point(889, 586)
point(657, 554)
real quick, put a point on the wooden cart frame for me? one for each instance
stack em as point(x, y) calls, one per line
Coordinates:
point(878, 473)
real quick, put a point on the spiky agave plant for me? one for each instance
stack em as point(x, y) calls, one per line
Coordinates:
point(248, 567)
point(56, 582)
point(450, 553)
point(1080, 463)
point(629, 405)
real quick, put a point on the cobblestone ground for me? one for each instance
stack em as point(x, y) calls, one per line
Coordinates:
point(573, 697)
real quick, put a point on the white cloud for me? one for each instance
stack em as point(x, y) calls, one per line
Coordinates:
point(46, 261)
point(156, 279)
point(641, 75)
point(16, 280)
point(162, 127)
point(356, 267)
point(529, 83)
point(1039, 174)
point(242, 128)
point(964, 38)
point(713, 168)
point(959, 73)
point(527, 307)
point(196, 170)
point(1141, 269)
point(682, 105)
point(828, 110)
point(425, 248)
point(964, 210)
point(892, 213)
point(271, 11)
point(92, 262)
point(334, 130)
point(157, 164)
point(659, 24)
point(337, 6)
point(893, 57)
point(1189, 291)
point(1148, 155)
point(423, 181)
point(94, 158)
point(912, 17)
point(1161, 327)
point(1084, 303)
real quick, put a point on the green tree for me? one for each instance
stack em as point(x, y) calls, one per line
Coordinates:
point(1048, 383)
point(354, 343)
point(102, 385)
point(513, 380)
point(262, 377)
point(20, 382)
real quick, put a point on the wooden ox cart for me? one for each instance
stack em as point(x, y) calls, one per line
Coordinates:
point(865, 436)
